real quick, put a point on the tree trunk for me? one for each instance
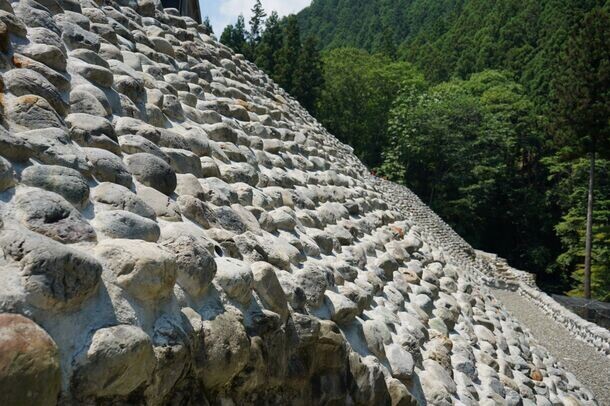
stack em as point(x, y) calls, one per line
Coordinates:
point(589, 235)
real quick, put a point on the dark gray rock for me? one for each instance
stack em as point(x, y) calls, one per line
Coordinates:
point(14, 25)
point(172, 108)
point(314, 280)
point(76, 37)
point(195, 265)
point(48, 55)
point(90, 57)
point(96, 74)
point(21, 82)
point(52, 146)
point(14, 147)
point(118, 360)
point(35, 17)
point(197, 211)
point(59, 80)
point(92, 131)
point(117, 197)
point(152, 171)
point(90, 100)
point(126, 225)
point(7, 175)
point(31, 112)
point(50, 214)
point(55, 276)
point(131, 126)
point(184, 161)
point(67, 182)
point(134, 144)
point(107, 167)
point(230, 220)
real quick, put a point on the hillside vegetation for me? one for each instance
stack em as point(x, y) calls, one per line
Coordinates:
point(494, 112)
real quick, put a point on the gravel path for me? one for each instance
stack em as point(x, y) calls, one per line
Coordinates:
point(590, 367)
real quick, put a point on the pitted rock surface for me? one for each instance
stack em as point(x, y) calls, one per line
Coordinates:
point(176, 229)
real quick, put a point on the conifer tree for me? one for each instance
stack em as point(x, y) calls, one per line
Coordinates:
point(582, 95)
point(207, 26)
point(256, 25)
point(239, 35)
point(308, 78)
point(388, 45)
point(234, 36)
point(226, 38)
point(270, 45)
point(289, 54)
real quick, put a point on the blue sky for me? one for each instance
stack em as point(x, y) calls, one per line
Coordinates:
point(223, 12)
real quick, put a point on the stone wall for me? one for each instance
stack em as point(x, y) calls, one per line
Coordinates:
point(175, 229)
point(494, 271)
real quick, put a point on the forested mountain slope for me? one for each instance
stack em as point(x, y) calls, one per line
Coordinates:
point(452, 37)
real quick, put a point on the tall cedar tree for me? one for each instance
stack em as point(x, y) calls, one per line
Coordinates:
point(582, 93)
point(388, 45)
point(289, 54)
point(308, 78)
point(256, 26)
point(207, 26)
point(235, 36)
point(270, 45)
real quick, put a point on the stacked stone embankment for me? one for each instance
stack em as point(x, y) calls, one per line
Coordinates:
point(175, 229)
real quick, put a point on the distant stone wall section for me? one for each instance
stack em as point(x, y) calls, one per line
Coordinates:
point(493, 270)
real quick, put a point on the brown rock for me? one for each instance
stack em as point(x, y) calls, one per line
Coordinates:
point(536, 375)
point(29, 363)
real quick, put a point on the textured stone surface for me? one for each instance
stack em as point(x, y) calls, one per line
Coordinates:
point(66, 182)
point(29, 363)
point(188, 234)
point(50, 214)
point(53, 276)
point(152, 171)
point(143, 269)
point(118, 360)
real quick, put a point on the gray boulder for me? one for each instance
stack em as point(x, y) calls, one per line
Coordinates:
point(269, 289)
point(52, 146)
point(118, 360)
point(143, 269)
point(116, 197)
point(226, 351)
point(31, 112)
point(54, 276)
point(195, 266)
point(66, 182)
point(107, 167)
point(50, 214)
point(22, 82)
point(235, 279)
point(152, 171)
point(7, 175)
point(127, 225)
point(31, 374)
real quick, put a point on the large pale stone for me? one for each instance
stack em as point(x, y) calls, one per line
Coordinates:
point(118, 360)
point(267, 286)
point(226, 350)
point(143, 269)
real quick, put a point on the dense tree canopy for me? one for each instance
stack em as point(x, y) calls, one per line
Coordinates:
point(472, 150)
point(357, 96)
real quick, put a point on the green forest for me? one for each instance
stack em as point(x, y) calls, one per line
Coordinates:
point(496, 113)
